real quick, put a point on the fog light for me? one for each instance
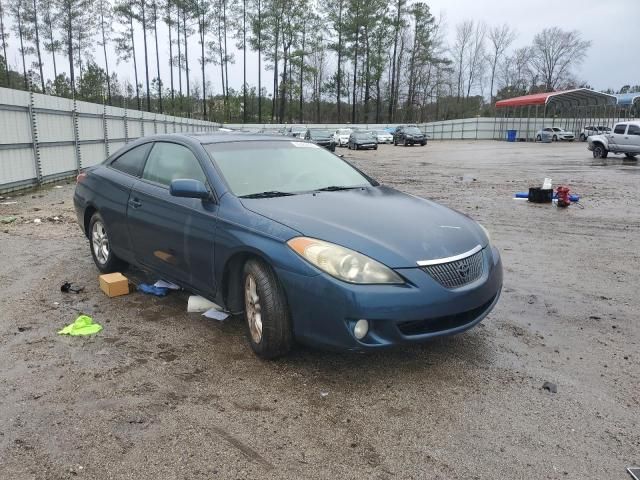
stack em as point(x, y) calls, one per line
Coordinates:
point(361, 329)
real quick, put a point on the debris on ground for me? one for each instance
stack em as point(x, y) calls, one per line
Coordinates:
point(83, 325)
point(7, 220)
point(324, 394)
point(67, 287)
point(550, 387)
point(165, 284)
point(215, 314)
point(8, 203)
point(114, 284)
point(37, 220)
point(153, 290)
point(198, 304)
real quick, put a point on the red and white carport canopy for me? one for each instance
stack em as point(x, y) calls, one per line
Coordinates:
point(579, 97)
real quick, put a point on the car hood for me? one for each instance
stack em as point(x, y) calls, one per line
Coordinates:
point(390, 226)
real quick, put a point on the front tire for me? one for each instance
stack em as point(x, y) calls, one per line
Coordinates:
point(583, 138)
point(266, 311)
point(101, 251)
point(554, 139)
point(599, 151)
point(538, 138)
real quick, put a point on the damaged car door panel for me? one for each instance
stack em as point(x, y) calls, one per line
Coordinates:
point(282, 233)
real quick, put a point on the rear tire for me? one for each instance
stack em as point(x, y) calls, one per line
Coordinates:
point(266, 311)
point(599, 151)
point(583, 138)
point(538, 138)
point(101, 251)
point(554, 139)
point(630, 156)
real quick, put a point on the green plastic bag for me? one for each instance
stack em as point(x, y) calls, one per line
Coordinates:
point(84, 325)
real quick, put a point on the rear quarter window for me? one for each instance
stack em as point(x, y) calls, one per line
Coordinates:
point(132, 161)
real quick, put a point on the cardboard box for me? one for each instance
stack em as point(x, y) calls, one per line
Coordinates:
point(114, 284)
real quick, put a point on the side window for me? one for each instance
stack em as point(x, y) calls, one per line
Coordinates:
point(633, 130)
point(620, 128)
point(131, 162)
point(170, 161)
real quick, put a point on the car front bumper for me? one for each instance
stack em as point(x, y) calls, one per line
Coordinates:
point(324, 310)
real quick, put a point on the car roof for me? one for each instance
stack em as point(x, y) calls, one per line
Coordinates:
point(205, 138)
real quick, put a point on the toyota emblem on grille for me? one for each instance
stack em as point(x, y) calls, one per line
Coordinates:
point(463, 269)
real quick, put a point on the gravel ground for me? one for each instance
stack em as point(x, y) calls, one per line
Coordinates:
point(163, 394)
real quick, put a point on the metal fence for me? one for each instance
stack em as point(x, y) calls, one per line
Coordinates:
point(45, 138)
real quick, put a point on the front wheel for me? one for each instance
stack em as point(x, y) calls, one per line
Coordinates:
point(554, 139)
point(583, 138)
point(266, 312)
point(101, 251)
point(538, 138)
point(599, 151)
point(422, 144)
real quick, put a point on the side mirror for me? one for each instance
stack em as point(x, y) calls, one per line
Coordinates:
point(188, 188)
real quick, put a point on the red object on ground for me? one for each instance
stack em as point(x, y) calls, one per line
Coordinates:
point(563, 196)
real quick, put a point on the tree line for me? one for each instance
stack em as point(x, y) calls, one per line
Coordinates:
point(325, 60)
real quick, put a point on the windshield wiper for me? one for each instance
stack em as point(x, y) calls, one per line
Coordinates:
point(269, 194)
point(335, 188)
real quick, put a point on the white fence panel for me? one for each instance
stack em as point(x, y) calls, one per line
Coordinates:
point(46, 125)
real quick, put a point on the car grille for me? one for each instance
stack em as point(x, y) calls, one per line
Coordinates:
point(457, 273)
point(441, 324)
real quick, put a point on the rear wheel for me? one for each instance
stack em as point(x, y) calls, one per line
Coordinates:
point(630, 156)
point(266, 312)
point(599, 151)
point(583, 138)
point(554, 139)
point(538, 138)
point(101, 251)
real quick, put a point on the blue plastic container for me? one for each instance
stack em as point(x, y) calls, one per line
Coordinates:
point(511, 135)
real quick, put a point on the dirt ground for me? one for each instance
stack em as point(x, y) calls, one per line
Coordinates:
point(163, 394)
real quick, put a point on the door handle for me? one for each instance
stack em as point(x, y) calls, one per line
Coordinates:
point(135, 203)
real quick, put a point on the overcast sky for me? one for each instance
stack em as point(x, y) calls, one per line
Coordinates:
point(611, 26)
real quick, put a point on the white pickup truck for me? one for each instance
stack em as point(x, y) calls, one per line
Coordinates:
point(625, 138)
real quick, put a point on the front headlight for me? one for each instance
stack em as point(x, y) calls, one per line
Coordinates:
point(342, 263)
point(486, 232)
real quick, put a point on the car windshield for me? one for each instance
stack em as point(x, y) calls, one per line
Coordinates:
point(413, 130)
point(362, 136)
point(344, 131)
point(319, 133)
point(278, 167)
point(382, 132)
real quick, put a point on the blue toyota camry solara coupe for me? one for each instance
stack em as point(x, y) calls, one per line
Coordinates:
point(304, 245)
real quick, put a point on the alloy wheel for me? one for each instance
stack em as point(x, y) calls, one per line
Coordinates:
point(100, 242)
point(253, 308)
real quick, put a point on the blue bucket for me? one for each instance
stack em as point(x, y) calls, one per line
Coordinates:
point(511, 135)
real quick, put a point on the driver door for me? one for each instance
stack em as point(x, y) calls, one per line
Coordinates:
point(173, 236)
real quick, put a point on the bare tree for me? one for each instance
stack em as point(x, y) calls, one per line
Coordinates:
point(475, 56)
point(500, 39)
point(4, 36)
point(464, 32)
point(18, 10)
point(555, 53)
point(105, 12)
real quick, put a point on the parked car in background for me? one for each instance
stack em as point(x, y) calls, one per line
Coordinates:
point(591, 130)
point(409, 135)
point(299, 243)
point(382, 136)
point(295, 131)
point(556, 134)
point(341, 137)
point(625, 138)
point(361, 139)
point(321, 137)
